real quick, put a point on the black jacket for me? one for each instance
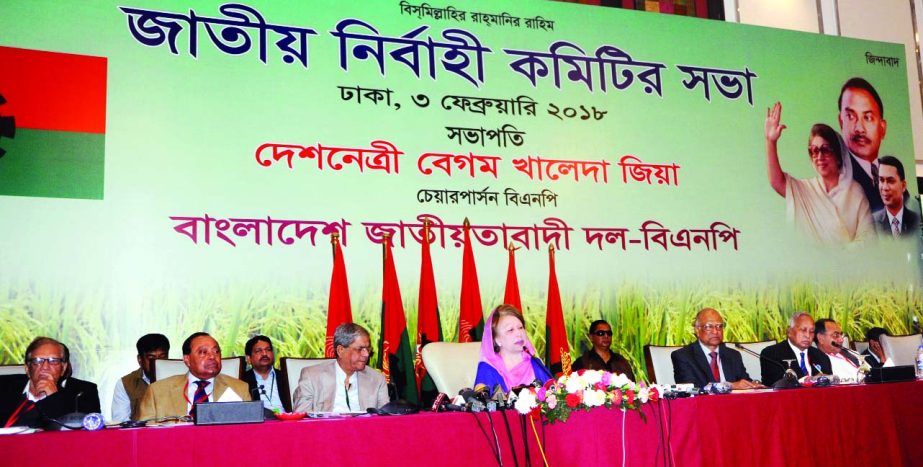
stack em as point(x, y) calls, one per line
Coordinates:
point(691, 365)
point(62, 402)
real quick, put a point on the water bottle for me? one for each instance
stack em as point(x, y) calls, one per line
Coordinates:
point(920, 362)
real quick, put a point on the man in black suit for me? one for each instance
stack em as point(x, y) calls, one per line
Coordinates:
point(894, 220)
point(708, 360)
point(875, 355)
point(265, 381)
point(794, 353)
point(863, 126)
point(46, 390)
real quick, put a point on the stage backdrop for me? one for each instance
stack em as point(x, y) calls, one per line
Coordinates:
point(176, 166)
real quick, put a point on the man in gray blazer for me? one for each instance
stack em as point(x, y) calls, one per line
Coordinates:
point(344, 384)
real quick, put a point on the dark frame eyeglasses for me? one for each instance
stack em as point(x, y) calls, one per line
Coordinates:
point(39, 361)
point(602, 333)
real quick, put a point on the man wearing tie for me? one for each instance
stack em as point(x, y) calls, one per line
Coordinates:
point(794, 353)
point(863, 126)
point(894, 220)
point(177, 395)
point(708, 360)
point(344, 384)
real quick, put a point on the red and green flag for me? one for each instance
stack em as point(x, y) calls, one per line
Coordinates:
point(339, 310)
point(396, 357)
point(429, 328)
point(52, 124)
point(470, 313)
point(557, 350)
point(511, 296)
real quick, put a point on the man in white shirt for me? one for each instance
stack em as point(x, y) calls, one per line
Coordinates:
point(829, 338)
point(794, 353)
point(894, 220)
point(129, 389)
point(346, 383)
point(264, 380)
point(863, 126)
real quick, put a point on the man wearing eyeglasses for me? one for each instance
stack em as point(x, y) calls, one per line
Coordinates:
point(601, 356)
point(829, 338)
point(708, 360)
point(345, 384)
point(264, 380)
point(45, 391)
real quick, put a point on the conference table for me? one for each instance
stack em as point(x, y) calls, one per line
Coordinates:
point(845, 425)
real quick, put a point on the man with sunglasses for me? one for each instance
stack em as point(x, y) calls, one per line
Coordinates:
point(46, 390)
point(601, 356)
point(708, 360)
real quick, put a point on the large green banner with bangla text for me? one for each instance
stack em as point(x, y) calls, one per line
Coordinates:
point(176, 166)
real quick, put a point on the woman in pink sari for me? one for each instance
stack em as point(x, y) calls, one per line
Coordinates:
point(507, 357)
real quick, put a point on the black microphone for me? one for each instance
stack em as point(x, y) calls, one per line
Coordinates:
point(526, 350)
point(71, 421)
point(789, 377)
point(850, 355)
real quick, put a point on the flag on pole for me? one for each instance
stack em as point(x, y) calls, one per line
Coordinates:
point(511, 296)
point(471, 313)
point(339, 310)
point(429, 328)
point(396, 357)
point(52, 124)
point(557, 350)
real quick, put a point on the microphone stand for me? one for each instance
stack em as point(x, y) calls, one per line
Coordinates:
point(789, 378)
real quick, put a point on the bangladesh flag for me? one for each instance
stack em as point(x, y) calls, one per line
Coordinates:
point(52, 124)
point(396, 356)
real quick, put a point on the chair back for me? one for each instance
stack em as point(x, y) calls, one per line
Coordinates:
point(12, 369)
point(165, 368)
point(452, 365)
point(902, 350)
point(659, 363)
point(752, 363)
point(291, 367)
point(860, 346)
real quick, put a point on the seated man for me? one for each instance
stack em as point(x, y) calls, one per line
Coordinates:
point(126, 399)
point(262, 378)
point(794, 353)
point(344, 384)
point(708, 360)
point(829, 338)
point(175, 396)
point(601, 357)
point(875, 354)
point(45, 391)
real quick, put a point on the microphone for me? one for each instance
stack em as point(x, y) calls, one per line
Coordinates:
point(440, 400)
point(789, 377)
point(77, 420)
point(855, 357)
point(526, 350)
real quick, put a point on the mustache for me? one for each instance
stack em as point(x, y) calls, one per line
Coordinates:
point(860, 139)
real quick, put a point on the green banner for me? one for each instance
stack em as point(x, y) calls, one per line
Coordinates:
point(240, 137)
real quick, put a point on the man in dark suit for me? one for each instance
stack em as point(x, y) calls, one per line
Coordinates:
point(875, 355)
point(708, 360)
point(264, 380)
point(45, 391)
point(862, 124)
point(894, 220)
point(794, 353)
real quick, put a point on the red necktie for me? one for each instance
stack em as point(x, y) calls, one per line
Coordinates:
point(714, 366)
point(200, 394)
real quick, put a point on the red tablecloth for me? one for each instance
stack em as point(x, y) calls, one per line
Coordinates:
point(859, 425)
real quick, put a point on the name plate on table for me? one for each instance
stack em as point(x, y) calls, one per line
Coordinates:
point(226, 413)
point(891, 374)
